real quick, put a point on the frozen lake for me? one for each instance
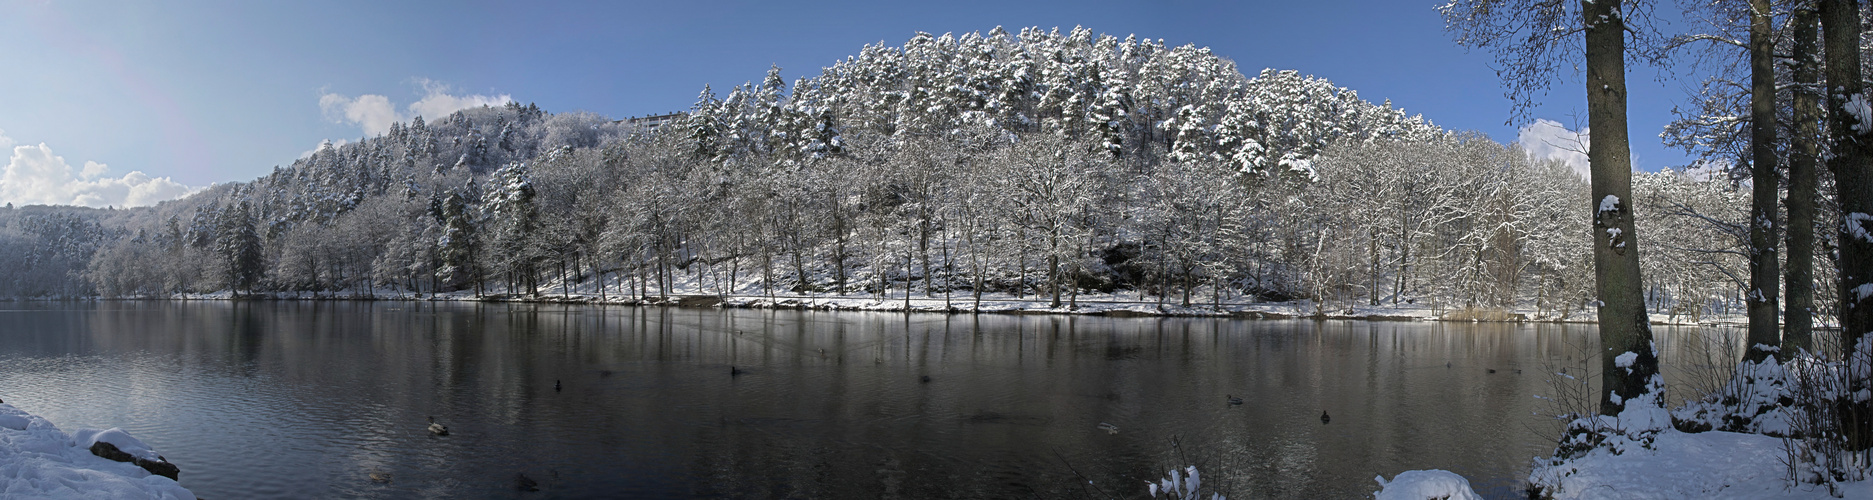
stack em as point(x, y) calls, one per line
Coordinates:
point(307, 399)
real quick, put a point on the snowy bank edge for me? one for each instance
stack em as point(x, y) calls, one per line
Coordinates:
point(1094, 306)
point(37, 460)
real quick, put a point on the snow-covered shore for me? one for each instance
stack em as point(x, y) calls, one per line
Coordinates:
point(1714, 464)
point(37, 460)
point(1676, 465)
point(1092, 304)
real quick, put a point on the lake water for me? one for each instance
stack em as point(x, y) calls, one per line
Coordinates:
point(307, 399)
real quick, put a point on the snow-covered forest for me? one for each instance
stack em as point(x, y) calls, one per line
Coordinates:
point(1039, 164)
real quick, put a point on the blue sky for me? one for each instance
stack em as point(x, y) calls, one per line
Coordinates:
point(201, 92)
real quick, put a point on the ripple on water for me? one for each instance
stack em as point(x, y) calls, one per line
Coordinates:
point(289, 400)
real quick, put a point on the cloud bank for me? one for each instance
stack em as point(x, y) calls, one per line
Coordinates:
point(374, 113)
point(35, 176)
point(1549, 140)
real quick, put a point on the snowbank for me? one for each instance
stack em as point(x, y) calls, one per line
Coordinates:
point(1712, 464)
point(1676, 465)
point(37, 460)
point(1431, 484)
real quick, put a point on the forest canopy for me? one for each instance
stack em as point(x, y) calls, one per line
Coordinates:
point(1044, 162)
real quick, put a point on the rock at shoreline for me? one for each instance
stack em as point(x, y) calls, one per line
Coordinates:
point(115, 444)
point(37, 460)
point(158, 467)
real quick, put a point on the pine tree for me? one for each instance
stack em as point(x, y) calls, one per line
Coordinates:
point(238, 244)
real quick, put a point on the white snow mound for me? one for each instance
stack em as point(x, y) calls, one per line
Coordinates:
point(85, 438)
point(1434, 484)
point(37, 460)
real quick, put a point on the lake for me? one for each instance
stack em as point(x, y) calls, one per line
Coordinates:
point(308, 399)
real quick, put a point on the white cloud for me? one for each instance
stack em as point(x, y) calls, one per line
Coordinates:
point(371, 112)
point(374, 113)
point(1549, 140)
point(35, 176)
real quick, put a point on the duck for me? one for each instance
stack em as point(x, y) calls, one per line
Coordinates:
point(924, 379)
point(1492, 370)
point(1109, 428)
point(1324, 418)
point(734, 371)
point(524, 483)
point(1233, 400)
point(378, 476)
point(555, 385)
point(437, 429)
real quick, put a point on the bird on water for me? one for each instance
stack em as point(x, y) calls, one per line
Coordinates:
point(437, 429)
point(1324, 418)
point(556, 385)
point(735, 371)
point(1233, 400)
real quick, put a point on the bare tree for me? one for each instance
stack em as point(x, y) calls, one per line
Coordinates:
point(1849, 124)
point(1533, 39)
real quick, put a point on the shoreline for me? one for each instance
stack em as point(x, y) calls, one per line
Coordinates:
point(1099, 305)
point(43, 461)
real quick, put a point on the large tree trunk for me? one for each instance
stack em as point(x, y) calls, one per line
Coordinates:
point(1798, 317)
point(1764, 330)
point(1624, 327)
point(1852, 164)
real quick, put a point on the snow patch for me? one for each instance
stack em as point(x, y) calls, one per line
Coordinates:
point(1712, 464)
point(1857, 107)
point(1609, 204)
point(1625, 359)
point(1863, 291)
point(1434, 484)
point(1181, 486)
point(37, 460)
point(1855, 224)
point(85, 438)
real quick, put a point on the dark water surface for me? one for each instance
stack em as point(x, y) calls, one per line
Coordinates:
point(291, 399)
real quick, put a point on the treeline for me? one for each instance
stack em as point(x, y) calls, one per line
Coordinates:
point(1038, 164)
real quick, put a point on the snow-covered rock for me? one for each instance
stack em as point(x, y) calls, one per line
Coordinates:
point(117, 445)
point(1431, 484)
point(37, 460)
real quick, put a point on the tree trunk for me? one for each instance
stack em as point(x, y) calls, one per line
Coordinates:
point(1852, 165)
point(1053, 276)
point(1764, 330)
point(1798, 316)
point(1372, 246)
point(923, 247)
point(1624, 327)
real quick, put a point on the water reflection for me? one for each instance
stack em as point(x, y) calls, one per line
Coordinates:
point(307, 399)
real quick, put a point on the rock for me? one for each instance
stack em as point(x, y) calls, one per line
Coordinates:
point(159, 466)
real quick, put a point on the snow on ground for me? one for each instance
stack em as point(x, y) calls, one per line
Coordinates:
point(1712, 464)
point(1124, 302)
point(37, 460)
point(1678, 465)
point(744, 288)
point(1431, 484)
